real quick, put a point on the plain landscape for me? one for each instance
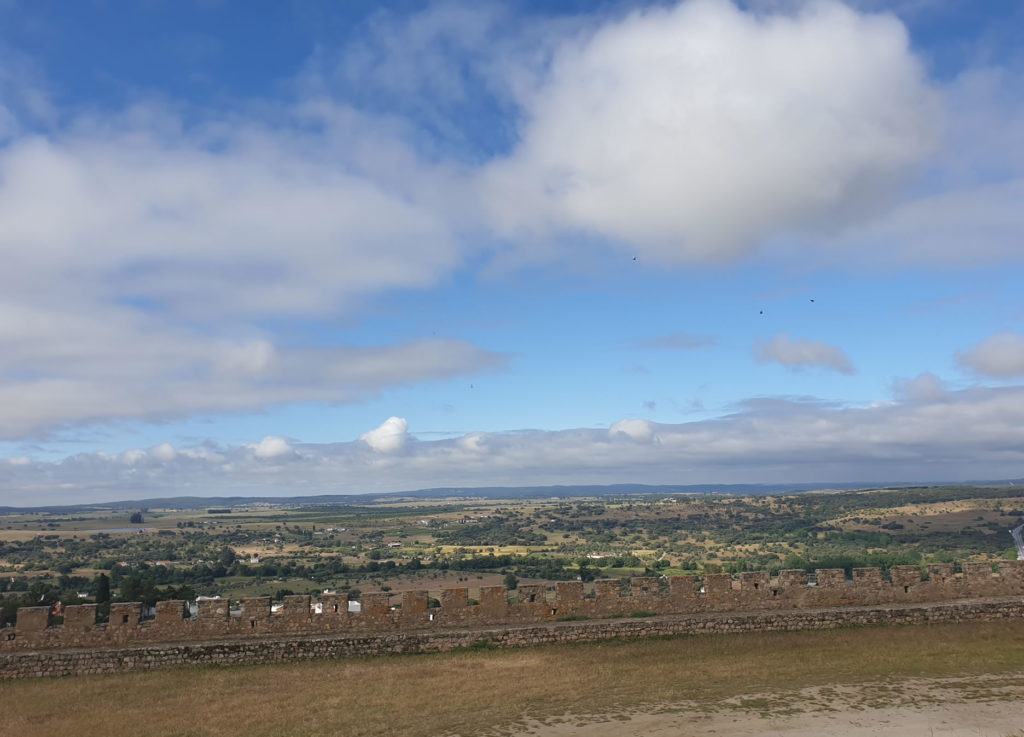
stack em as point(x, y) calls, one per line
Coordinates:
point(952, 679)
point(512, 368)
point(395, 543)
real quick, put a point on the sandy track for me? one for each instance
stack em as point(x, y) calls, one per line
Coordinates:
point(989, 706)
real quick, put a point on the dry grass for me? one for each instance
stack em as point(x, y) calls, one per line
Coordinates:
point(475, 692)
point(21, 535)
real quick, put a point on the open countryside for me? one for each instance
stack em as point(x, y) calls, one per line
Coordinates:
point(512, 368)
point(815, 681)
point(396, 545)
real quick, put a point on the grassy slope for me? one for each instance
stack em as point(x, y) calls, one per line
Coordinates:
point(468, 692)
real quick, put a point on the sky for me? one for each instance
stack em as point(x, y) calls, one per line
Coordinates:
point(277, 248)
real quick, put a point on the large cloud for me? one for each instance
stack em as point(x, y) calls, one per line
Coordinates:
point(142, 251)
point(1000, 356)
point(803, 353)
point(955, 435)
point(58, 368)
point(967, 212)
point(139, 255)
point(696, 131)
point(242, 220)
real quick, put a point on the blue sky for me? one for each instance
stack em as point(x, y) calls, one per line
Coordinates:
point(311, 247)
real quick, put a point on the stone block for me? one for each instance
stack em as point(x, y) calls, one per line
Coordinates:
point(171, 611)
point(376, 605)
point(643, 586)
point(755, 581)
point(867, 578)
point(455, 598)
point(683, 587)
point(124, 615)
point(830, 578)
point(256, 609)
point(32, 619)
point(493, 600)
point(79, 618)
point(1012, 574)
point(792, 578)
point(717, 584)
point(335, 604)
point(905, 577)
point(296, 608)
point(977, 573)
point(569, 593)
point(415, 602)
point(941, 572)
point(530, 593)
point(213, 609)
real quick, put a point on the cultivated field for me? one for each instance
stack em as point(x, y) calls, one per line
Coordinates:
point(962, 679)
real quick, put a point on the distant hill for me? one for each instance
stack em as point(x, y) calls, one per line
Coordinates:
point(485, 492)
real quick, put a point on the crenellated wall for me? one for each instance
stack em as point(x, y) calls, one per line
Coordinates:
point(529, 604)
point(87, 661)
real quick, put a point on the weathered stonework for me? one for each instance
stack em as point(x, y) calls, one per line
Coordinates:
point(691, 599)
point(77, 661)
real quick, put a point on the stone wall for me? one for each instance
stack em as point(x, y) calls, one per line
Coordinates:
point(49, 663)
point(497, 606)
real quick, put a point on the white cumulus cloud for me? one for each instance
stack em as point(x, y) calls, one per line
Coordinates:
point(697, 130)
point(272, 447)
point(390, 437)
point(639, 430)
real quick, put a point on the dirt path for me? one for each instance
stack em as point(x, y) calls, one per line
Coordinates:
point(989, 706)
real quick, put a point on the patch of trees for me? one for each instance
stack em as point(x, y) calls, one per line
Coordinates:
point(496, 532)
point(848, 561)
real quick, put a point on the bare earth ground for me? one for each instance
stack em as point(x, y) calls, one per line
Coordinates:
point(981, 706)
